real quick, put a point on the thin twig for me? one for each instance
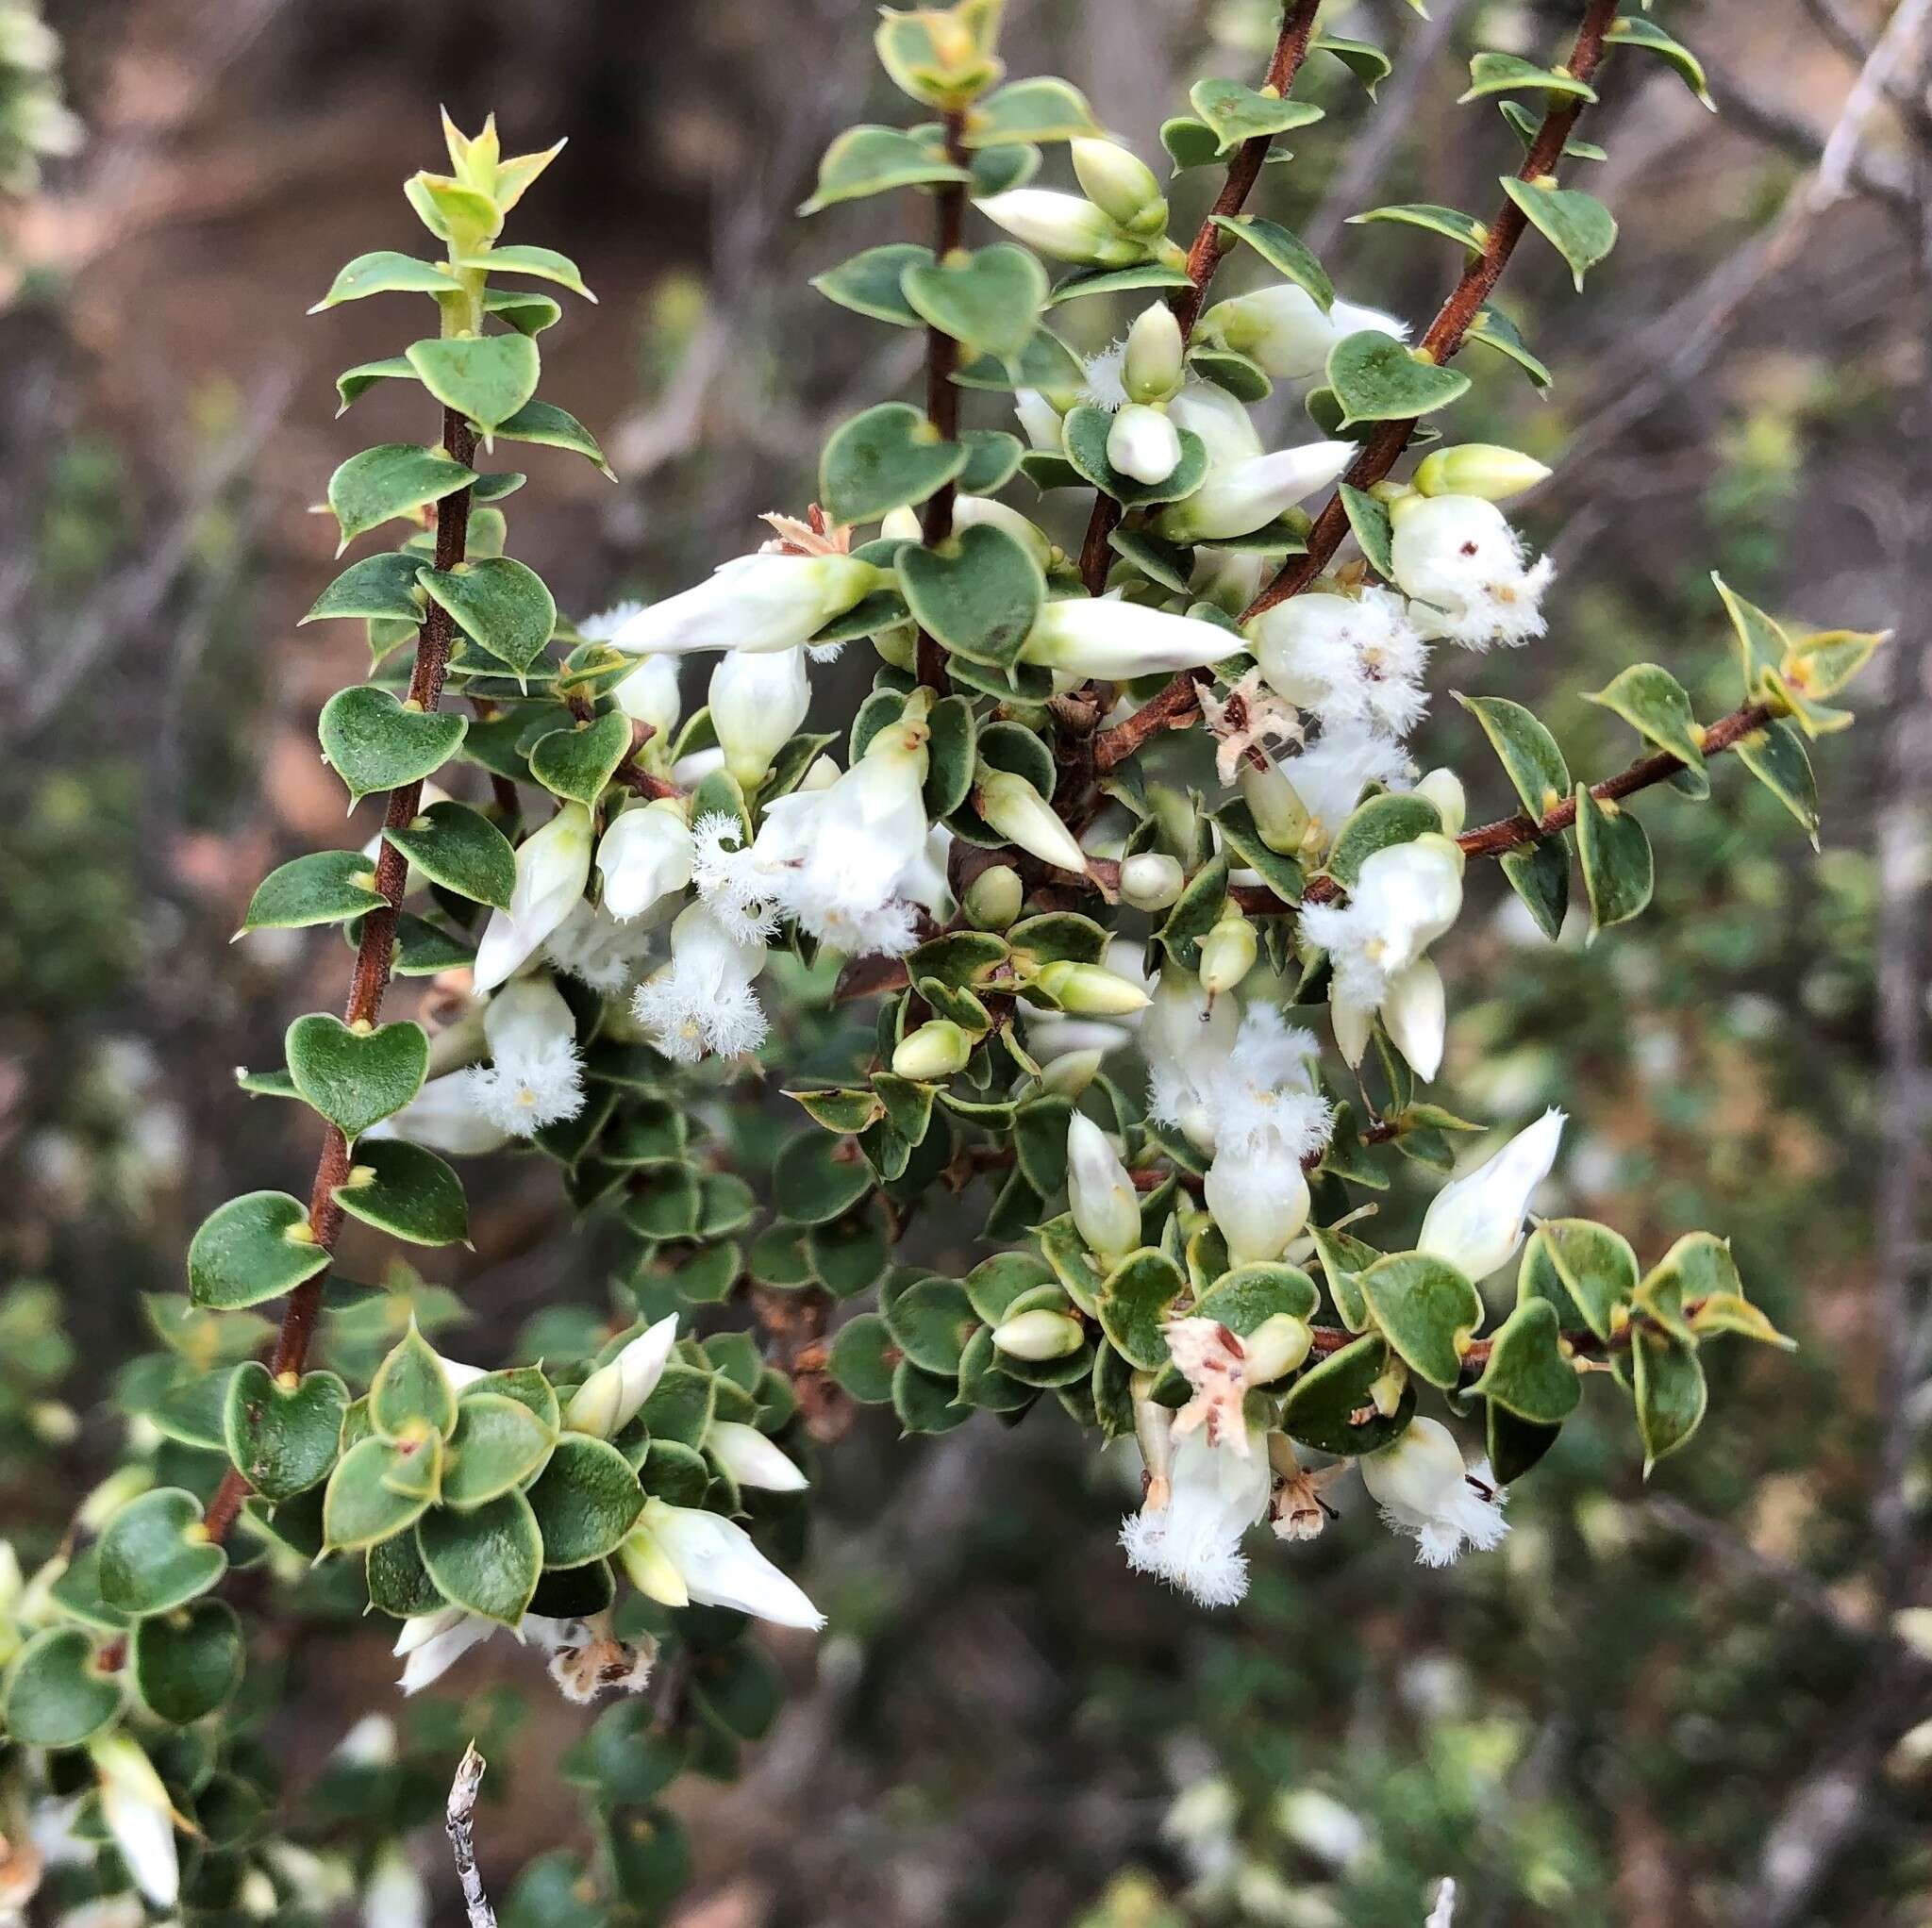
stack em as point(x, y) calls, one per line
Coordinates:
point(458, 1823)
point(942, 391)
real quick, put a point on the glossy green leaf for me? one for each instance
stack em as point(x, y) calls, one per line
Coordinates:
point(1378, 379)
point(325, 886)
point(155, 1553)
point(282, 1439)
point(375, 742)
point(867, 160)
point(355, 1078)
point(186, 1664)
point(393, 479)
point(488, 1561)
point(254, 1248)
point(1528, 753)
point(56, 1693)
point(979, 593)
point(1426, 1309)
point(576, 762)
point(1617, 864)
point(504, 605)
point(1576, 225)
point(584, 1502)
point(406, 1192)
point(484, 377)
point(883, 459)
point(386, 272)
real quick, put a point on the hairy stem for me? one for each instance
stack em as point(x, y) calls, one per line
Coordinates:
point(942, 391)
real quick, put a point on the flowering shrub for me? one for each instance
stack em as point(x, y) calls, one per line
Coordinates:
point(1034, 929)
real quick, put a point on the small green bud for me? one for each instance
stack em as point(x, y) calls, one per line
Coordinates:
point(1275, 1348)
point(994, 898)
point(1072, 1072)
point(1228, 952)
point(1155, 364)
point(1040, 1336)
point(1151, 881)
point(1478, 467)
point(1120, 185)
point(937, 1050)
point(899, 646)
point(1090, 991)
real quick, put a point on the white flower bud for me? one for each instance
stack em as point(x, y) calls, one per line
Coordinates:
point(1155, 365)
point(1091, 990)
point(139, 1817)
point(757, 702)
point(609, 1399)
point(1228, 952)
point(1226, 427)
point(713, 1562)
point(1238, 500)
point(751, 1459)
point(1275, 1348)
point(1444, 788)
point(1039, 1336)
point(1072, 1072)
point(762, 601)
point(1279, 814)
point(1040, 421)
point(1259, 1199)
point(1120, 184)
point(1480, 469)
point(1283, 329)
point(1415, 1009)
point(553, 867)
point(1475, 1222)
point(644, 857)
point(902, 525)
point(1152, 881)
point(1143, 443)
point(824, 773)
point(650, 694)
point(938, 1049)
point(994, 898)
point(1106, 1209)
point(1063, 225)
point(1011, 806)
point(1114, 641)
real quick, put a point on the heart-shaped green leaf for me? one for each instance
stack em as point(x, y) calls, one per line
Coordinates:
point(1527, 1372)
point(1617, 866)
point(1668, 1379)
point(1576, 225)
point(1540, 875)
point(1594, 1265)
point(1239, 113)
point(549, 426)
point(1529, 754)
point(377, 588)
point(930, 1322)
point(873, 161)
point(1493, 329)
point(325, 886)
point(386, 272)
point(394, 478)
point(398, 1582)
point(1424, 1308)
point(504, 605)
point(979, 593)
point(186, 1664)
point(488, 1561)
point(498, 1443)
point(362, 1504)
point(993, 460)
point(1514, 1445)
point(1135, 1301)
point(1657, 708)
point(486, 377)
point(283, 1438)
point(811, 1184)
point(1331, 1407)
point(1036, 109)
point(406, 1192)
point(463, 851)
point(412, 1391)
point(871, 283)
point(926, 1402)
point(577, 763)
point(155, 1553)
point(988, 301)
point(1379, 379)
point(584, 1502)
point(55, 1692)
point(256, 1247)
point(1376, 824)
point(886, 458)
point(356, 1076)
point(375, 743)
point(862, 1358)
point(1246, 1298)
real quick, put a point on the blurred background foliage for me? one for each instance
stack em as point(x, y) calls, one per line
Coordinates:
point(1690, 1702)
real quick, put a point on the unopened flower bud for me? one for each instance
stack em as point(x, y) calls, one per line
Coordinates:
point(1102, 636)
point(644, 857)
point(1478, 467)
point(758, 700)
point(1063, 225)
point(1072, 1072)
point(1274, 1348)
point(1040, 421)
point(1238, 498)
point(1444, 788)
point(1120, 185)
point(939, 1049)
point(1155, 365)
point(1279, 814)
point(1476, 1223)
point(898, 647)
point(1013, 807)
point(1283, 329)
point(1106, 1209)
point(762, 601)
point(1091, 990)
point(1152, 881)
point(1040, 1336)
point(994, 898)
point(1228, 952)
point(1143, 443)
point(609, 1399)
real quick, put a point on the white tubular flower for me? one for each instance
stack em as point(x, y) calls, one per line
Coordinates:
point(1423, 1490)
point(751, 1459)
point(1258, 1196)
point(839, 862)
point(1105, 638)
point(553, 867)
point(902, 525)
point(702, 1001)
point(609, 1399)
point(1187, 1038)
point(1238, 499)
point(757, 699)
point(1106, 1209)
point(1283, 329)
point(138, 1815)
point(1229, 578)
point(1040, 421)
point(442, 1118)
point(430, 1644)
point(1194, 1541)
point(645, 856)
point(679, 1555)
point(650, 695)
point(1221, 422)
point(395, 1895)
point(1444, 788)
point(1475, 1221)
point(1459, 561)
point(1415, 1010)
point(1241, 1085)
point(1404, 899)
point(534, 1076)
point(1350, 659)
point(1328, 778)
point(1013, 807)
point(596, 949)
point(1154, 364)
point(1066, 226)
point(1143, 443)
point(762, 602)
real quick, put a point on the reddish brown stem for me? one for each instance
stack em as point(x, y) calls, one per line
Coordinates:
point(374, 957)
point(1210, 242)
point(942, 391)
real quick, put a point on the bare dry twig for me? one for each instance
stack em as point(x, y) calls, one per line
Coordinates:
point(459, 1825)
